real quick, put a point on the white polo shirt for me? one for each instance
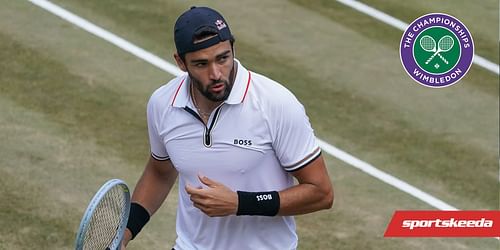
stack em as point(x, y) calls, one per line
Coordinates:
point(251, 143)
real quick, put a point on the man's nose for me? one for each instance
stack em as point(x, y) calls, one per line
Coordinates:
point(214, 72)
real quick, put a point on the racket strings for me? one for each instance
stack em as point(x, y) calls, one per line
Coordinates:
point(105, 220)
point(428, 43)
point(445, 43)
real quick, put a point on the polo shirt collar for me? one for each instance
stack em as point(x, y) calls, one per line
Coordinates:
point(180, 98)
point(238, 92)
point(240, 86)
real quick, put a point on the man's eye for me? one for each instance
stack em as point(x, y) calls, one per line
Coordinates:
point(223, 58)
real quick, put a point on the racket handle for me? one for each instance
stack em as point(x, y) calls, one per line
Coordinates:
point(430, 58)
point(442, 58)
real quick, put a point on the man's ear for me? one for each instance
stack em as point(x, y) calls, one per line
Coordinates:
point(180, 62)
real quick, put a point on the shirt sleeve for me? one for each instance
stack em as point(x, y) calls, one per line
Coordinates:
point(157, 147)
point(293, 137)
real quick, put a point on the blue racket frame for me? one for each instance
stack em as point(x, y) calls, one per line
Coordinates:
point(84, 224)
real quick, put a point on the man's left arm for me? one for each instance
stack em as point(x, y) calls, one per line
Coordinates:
point(312, 193)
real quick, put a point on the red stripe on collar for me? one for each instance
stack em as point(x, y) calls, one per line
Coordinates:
point(177, 91)
point(248, 84)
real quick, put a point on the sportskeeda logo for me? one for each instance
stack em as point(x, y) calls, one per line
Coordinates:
point(485, 223)
point(447, 223)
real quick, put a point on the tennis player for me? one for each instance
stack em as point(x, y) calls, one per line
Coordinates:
point(236, 140)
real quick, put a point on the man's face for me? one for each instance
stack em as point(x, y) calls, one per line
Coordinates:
point(211, 70)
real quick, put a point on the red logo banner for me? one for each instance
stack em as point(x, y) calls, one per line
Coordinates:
point(484, 223)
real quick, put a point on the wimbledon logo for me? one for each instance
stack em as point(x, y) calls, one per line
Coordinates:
point(436, 50)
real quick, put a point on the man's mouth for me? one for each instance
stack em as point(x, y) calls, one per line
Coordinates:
point(217, 87)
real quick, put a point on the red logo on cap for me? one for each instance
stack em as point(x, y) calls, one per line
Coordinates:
point(220, 24)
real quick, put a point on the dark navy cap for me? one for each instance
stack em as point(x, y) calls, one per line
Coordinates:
point(194, 20)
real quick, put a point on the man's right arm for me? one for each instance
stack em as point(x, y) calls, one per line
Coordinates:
point(152, 188)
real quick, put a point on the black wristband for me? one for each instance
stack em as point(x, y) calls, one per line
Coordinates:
point(258, 203)
point(137, 218)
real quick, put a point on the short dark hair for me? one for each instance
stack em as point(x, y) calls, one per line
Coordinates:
point(204, 33)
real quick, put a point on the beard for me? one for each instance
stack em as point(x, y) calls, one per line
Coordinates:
point(206, 92)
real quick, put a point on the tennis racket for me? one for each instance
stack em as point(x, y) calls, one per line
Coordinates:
point(105, 219)
point(429, 44)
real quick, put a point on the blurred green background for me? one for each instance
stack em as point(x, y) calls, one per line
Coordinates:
point(72, 113)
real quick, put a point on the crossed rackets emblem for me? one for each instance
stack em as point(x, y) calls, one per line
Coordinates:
point(429, 44)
